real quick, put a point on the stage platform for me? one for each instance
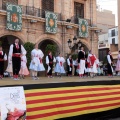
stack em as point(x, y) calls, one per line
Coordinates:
point(44, 80)
point(70, 98)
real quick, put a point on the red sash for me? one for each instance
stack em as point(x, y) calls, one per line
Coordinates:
point(40, 60)
point(61, 63)
point(92, 59)
point(16, 55)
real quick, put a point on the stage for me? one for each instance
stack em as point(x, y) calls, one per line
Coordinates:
point(45, 80)
point(70, 98)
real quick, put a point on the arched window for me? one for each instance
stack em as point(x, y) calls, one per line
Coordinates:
point(48, 5)
point(8, 1)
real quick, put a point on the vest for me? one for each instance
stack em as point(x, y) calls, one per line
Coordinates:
point(50, 59)
point(15, 50)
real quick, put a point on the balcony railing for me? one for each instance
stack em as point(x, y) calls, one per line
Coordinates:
point(74, 19)
point(37, 12)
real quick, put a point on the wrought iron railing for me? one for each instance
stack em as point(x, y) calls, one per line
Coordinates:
point(28, 10)
point(74, 19)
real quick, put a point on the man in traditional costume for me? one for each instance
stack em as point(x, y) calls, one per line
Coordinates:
point(81, 62)
point(3, 57)
point(69, 65)
point(50, 60)
point(109, 64)
point(15, 52)
point(36, 62)
point(59, 68)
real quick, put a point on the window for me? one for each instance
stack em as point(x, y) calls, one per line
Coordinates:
point(112, 33)
point(48, 5)
point(113, 40)
point(8, 1)
point(79, 10)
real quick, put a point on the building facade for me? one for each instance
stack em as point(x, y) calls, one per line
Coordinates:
point(105, 20)
point(33, 23)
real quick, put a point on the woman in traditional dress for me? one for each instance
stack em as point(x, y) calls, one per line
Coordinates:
point(69, 65)
point(59, 68)
point(118, 64)
point(50, 60)
point(24, 70)
point(92, 64)
point(109, 64)
point(36, 62)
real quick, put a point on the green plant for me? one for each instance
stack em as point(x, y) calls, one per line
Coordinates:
point(74, 56)
point(51, 48)
point(28, 47)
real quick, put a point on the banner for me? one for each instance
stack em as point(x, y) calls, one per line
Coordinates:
point(51, 22)
point(12, 103)
point(14, 17)
point(83, 27)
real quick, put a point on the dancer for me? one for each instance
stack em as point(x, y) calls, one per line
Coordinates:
point(36, 62)
point(81, 62)
point(50, 60)
point(69, 65)
point(15, 52)
point(109, 64)
point(24, 70)
point(118, 64)
point(3, 57)
point(59, 68)
point(92, 64)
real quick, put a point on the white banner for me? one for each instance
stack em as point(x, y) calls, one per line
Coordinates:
point(12, 103)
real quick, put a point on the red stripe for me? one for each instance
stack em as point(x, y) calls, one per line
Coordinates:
point(70, 111)
point(69, 91)
point(69, 97)
point(71, 104)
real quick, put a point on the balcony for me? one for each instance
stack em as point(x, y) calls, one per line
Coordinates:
point(74, 19)
point(28, 10)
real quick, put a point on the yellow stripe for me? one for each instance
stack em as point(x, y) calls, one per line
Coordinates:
point(70, 94)
point(70, 88)
point(72, 107)
point(76, 113)
point(69, 101)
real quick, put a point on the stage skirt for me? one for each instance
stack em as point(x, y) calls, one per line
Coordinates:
point(59, 69)
point(25, 71)
point(36, 65)
point(92, 69)
point(118, 66)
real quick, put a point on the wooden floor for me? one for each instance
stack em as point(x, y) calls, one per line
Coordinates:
point(45, 80)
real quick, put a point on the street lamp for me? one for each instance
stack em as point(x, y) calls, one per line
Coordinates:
point(74, 39)
point(69, 43)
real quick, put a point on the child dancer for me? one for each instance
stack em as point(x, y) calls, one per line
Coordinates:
point(23, 70)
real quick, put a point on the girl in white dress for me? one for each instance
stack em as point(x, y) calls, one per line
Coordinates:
point(59, 68)
point(23, 70)
point(36, 62)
